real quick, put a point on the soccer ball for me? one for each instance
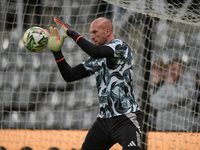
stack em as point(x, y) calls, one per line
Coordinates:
point(35, 39)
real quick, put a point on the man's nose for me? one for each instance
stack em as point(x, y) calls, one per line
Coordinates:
point(92, 36)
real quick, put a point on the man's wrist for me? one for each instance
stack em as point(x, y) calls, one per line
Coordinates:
point(75, 35)
point(58, 55)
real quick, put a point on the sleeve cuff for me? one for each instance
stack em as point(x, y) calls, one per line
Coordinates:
point(75, 36)
point(58, 56)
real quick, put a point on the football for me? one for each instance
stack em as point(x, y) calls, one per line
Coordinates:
point(35, 39)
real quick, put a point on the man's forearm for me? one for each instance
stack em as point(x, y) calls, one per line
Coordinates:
point(68, 73)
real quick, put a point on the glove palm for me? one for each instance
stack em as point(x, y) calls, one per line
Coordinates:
point(54, 42)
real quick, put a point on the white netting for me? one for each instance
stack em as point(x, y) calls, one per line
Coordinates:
point(182, 11)
point(34, 95)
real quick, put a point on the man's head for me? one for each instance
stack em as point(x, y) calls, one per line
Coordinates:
point(159, 69)
point(176, 69)
point(101, 31)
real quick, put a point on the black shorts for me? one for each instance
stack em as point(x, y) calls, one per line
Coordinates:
point(124, 129)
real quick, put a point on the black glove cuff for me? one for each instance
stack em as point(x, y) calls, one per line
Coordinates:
point(58, 55)
point(74, 35)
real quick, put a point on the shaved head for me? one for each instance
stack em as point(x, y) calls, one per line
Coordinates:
point(101, 30)
point(104, 23)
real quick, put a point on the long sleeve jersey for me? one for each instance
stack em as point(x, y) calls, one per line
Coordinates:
point(111, 65)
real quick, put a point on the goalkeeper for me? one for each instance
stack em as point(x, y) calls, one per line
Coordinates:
point(120, 119)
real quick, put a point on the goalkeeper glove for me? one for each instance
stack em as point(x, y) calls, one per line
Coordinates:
point(54, 42)
point(67, 29)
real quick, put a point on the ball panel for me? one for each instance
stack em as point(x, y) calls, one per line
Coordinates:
point(35, 39)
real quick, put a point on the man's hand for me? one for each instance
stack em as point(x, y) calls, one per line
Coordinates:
point(54, 42)
point(67, 29)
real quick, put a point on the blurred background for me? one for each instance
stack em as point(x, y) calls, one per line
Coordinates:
point(33, 94)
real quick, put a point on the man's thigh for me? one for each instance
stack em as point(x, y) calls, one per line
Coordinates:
point(128, 131)
point(98, 137)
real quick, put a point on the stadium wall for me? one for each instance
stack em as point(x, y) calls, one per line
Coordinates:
point(73, 139)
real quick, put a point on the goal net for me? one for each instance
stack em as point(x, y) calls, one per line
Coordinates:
point(40, 111)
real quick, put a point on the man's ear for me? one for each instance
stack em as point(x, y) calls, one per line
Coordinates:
point(108, 32)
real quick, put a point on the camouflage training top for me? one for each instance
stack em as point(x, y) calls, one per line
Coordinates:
point(114, 80)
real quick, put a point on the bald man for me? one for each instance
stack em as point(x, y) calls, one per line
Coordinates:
point(119, 119)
